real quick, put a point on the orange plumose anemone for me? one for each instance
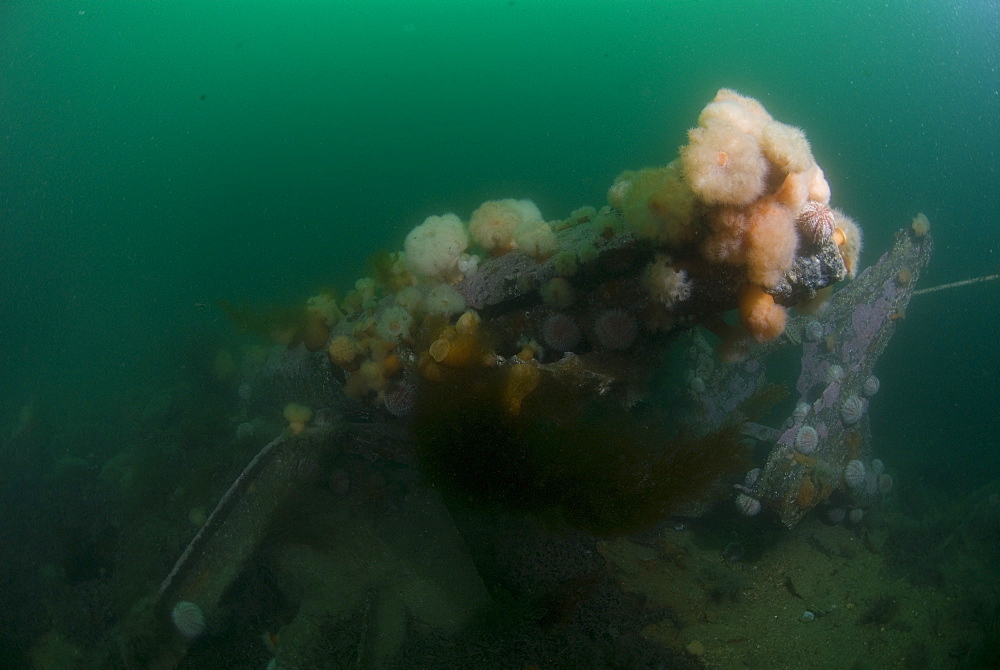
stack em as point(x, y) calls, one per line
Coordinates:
point(761, 316)
point(741, 110)
point(847, 235)
point(297, 416)
point(724, 165)
point(724, 243)
point(461, 346)
point(819, 188)
point(495, 222)
point(785, 147)
point(657, 203)
point(771, 240)
point(325, 305)
point(314, 332)
point(370, 377)
point(521, 380)
point(468, 323)
point(536, 239)
point(344, 352)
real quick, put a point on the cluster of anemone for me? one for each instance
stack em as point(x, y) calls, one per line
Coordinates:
point(298, 417)
point(763, 187)
point(748, 193)
point(742, 199)
point(414, 289)
point(409, 322)
point(363, 333)
point(499, 226)
point(364, 349)
point(657, 203)
point(437, 249)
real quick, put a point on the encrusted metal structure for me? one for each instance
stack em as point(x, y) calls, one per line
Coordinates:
point(835, 388)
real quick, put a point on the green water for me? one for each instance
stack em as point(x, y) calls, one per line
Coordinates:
point(157, 156)
point(160, 154)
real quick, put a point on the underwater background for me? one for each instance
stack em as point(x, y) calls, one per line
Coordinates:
point(159, 156)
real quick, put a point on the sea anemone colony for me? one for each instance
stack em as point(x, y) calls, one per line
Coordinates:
point(531, 339)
